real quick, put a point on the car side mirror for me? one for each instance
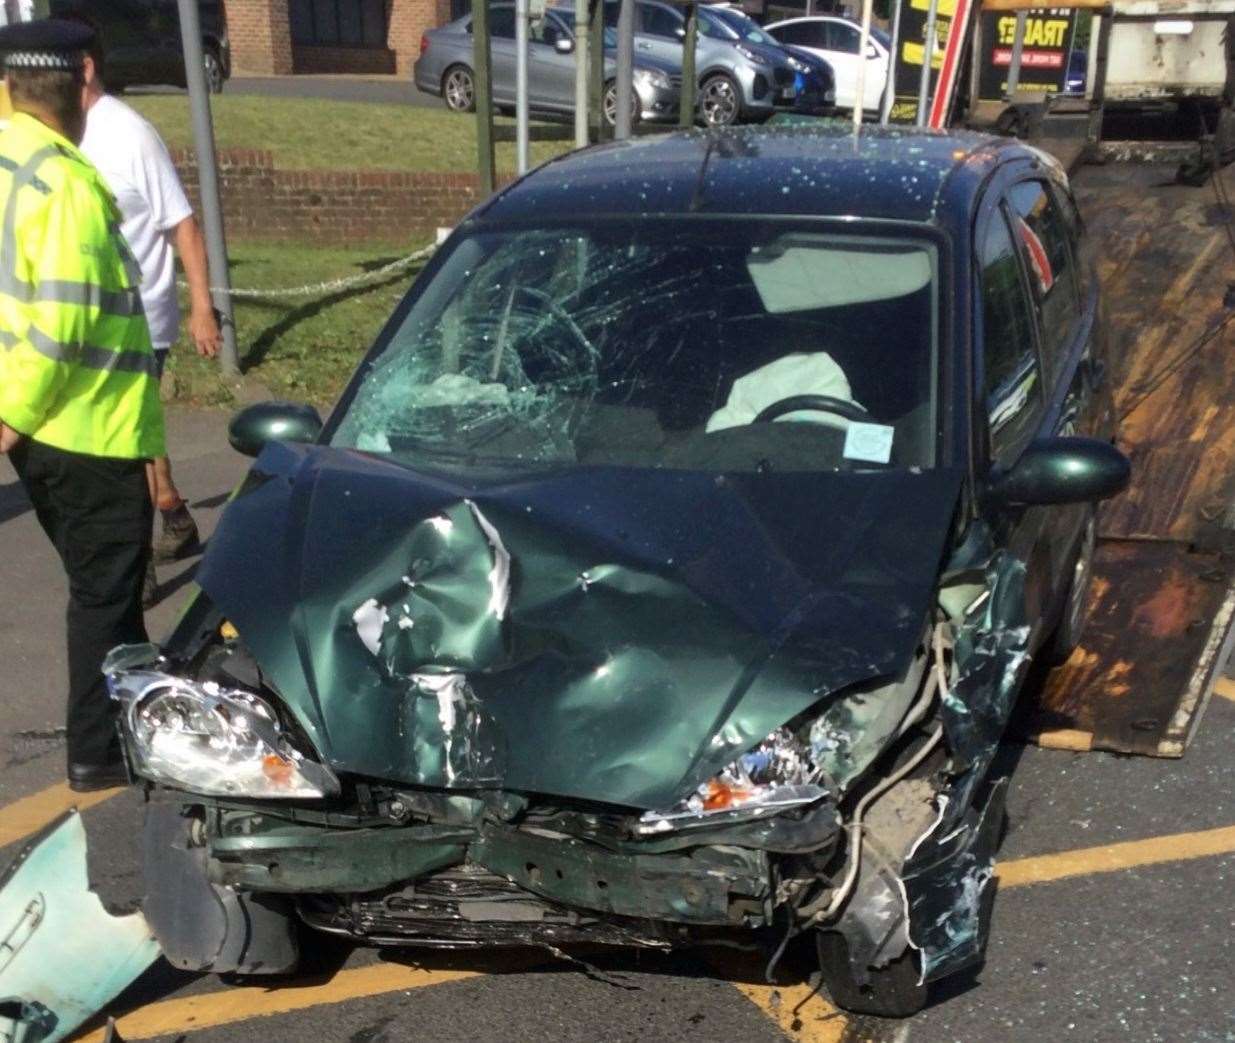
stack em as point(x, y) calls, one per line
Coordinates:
point(1062, 470)
point(264, 422)
point(563, 45)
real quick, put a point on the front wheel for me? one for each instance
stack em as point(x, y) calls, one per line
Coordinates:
point(720, 103)
point(214, 72)
point(459, 89)
point(889, 992)
point(609, 105)
point(1067, 636)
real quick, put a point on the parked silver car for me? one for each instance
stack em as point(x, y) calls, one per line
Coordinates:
point(743, 73)
point(445, 68)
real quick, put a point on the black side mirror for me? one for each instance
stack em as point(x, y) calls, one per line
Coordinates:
point(264, 422)
point(1062, 470)
point(563, 45)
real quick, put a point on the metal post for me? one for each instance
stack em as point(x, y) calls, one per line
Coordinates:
point(1018, 44)
point(975, 64)
point(928, 59)
point(864, 42)
point(208, 182)
point(625, 68)
point(597, 69)
point(889, 91)
point(690, 85)
point(482, 92)
point(581, 64)
point(521, 131)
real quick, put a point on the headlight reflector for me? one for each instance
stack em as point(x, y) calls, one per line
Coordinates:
point(777, 774)
point(652, 78)
point(216, 741)
point(751, 56)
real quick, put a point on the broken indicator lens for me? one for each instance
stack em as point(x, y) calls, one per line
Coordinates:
point(211, 740)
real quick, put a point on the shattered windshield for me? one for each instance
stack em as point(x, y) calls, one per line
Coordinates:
point(703, 344)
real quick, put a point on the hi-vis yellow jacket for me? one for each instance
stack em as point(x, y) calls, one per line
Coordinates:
point(76, 368)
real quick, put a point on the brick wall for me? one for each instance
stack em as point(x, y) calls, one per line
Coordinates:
point(261, 202)
point(261, 37)
point(408, 21)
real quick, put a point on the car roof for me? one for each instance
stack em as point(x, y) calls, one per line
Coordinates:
point(814, 168)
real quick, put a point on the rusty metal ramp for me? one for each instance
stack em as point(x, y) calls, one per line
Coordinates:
point(1164, 590)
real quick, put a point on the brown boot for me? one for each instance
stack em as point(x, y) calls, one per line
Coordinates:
point(179, 537)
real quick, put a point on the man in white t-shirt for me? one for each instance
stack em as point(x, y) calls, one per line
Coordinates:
point(158, 223)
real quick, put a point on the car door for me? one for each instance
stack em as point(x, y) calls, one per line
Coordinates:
point(840, 50)
point(550, 73)
point(659, 32)
point(1069, 332)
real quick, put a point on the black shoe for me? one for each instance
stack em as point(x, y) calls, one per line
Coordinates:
point(84, 778)
point(179, 538)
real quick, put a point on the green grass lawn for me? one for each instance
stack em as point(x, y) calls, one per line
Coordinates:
point(304, 348)
point(310, 134)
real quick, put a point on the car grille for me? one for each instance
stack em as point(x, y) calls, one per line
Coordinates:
point(784, 76)
point(675, 81)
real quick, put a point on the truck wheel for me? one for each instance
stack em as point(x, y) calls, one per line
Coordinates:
point(720, 102)
point(890, 992)
point(459, 89)
point(1067, 636)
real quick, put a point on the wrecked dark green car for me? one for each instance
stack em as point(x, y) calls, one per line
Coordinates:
point(666, 574)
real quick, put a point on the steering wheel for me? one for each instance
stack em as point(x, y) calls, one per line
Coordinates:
point(562, 316)
point(820, 403)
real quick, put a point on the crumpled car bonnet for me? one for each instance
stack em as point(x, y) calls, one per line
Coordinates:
point(600, 633)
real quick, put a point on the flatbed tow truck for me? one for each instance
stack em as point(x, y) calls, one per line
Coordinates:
point(1163, 596)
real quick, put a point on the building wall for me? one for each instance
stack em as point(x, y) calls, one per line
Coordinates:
point(260, 36)
point(261, 202)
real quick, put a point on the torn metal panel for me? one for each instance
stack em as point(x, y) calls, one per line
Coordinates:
point(200, 925)
point(659, 623)
point(948, 884)
point(63, 957)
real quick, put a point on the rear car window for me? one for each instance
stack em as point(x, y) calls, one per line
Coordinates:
point(1043, 238)
point(1012, 381)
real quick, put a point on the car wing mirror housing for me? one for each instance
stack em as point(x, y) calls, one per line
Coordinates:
point(264, 422)
point(563, 45)
point(1061, 470)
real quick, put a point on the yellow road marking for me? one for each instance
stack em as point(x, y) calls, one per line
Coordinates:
point(209, 1010)
point(1110, 858)
point(1225, 687)
point(815, 1021)
point(30, 814)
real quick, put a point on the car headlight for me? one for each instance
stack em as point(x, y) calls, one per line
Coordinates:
point(216, 741)
point(797, 65)
point(752, 56)
point(652, 78)
point(777, 774)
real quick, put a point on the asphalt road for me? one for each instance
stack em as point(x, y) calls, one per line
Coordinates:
point(1138, 953)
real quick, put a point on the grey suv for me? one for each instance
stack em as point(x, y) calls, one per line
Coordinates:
point(743, 72)
point(445, 68)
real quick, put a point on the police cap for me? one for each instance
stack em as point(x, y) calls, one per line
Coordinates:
point(48, 43)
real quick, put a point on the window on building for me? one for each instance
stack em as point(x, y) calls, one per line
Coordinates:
point(338, 23)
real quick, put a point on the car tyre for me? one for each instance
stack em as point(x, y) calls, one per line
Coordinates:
point(609, 105)
point(892, 991)
point(1066, 637)
point(214, 72)
point(459, 89)
point(720, 101)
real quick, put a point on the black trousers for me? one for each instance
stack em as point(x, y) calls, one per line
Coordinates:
point(97, 513)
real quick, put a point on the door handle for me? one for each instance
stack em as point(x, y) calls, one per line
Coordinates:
point(644, 46)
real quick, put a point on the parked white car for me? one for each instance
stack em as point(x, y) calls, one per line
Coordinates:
point(838, 41)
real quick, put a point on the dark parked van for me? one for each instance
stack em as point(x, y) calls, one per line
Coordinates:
point(141, 40)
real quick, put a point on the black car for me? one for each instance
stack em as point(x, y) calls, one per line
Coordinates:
point(141, 40)
point(665, 576)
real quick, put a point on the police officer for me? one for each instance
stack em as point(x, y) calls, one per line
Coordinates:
point(79, 404)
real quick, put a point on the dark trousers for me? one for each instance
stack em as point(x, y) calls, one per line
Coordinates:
point(97, 513)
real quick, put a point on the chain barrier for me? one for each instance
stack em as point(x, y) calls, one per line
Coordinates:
point(318, 289)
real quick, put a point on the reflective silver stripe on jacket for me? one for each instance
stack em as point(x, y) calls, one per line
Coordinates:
point(91, 357)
